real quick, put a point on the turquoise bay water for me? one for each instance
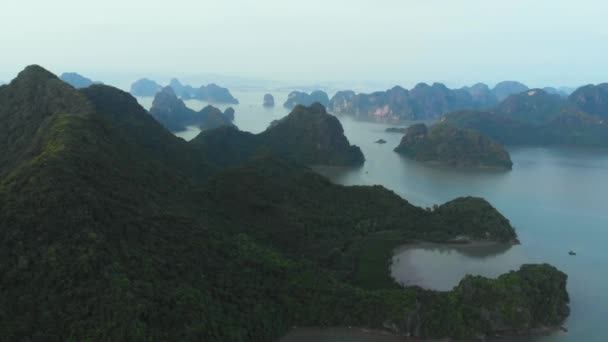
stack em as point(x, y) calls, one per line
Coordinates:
point(555, 197)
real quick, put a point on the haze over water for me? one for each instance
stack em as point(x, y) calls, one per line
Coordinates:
point(555, 198)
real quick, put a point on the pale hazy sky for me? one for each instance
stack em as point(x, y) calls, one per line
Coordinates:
point(542, 42)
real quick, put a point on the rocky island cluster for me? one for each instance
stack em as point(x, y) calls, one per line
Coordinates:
point(173, 113)
point(446, 145)
point(301, 98)
point(115, 229)
point(308, 135)
point(210, 93)
point(423, 102)
point(536, 117)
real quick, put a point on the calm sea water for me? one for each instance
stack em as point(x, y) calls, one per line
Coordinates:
point(557, 199)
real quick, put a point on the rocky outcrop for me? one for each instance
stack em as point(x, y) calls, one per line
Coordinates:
point(446, 145)
point(268, 100)
point(301, 98)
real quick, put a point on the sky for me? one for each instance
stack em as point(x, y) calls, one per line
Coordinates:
point(457, 42)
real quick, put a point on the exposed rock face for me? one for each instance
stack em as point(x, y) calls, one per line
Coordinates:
point(301, 98)
point(308, 135)
point(173, 113)
point(446, 145)
point(268, 100)
point(145, 87)
point(505, 89)
point(76, 80)
point(423, 102)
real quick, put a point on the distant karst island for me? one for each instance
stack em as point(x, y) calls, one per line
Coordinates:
point(536, 117)
point(445, 145)
point(423, 102)
point(172, 112)
point(211, 93)
point(268, 100)
point(76, 80)
point(301, 98)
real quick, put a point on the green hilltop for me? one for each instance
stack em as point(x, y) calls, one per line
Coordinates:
point(446, 145)
point(111, 228)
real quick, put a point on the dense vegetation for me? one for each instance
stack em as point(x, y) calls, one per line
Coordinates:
point(113, 229)
point(308, 135)
point(172, 112)
point(537, 118)
point(301, 98)
point(446, 145)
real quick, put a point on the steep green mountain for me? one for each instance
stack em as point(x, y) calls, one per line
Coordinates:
point(76, 80)
point(301, 98)
point(173, 113)
point(113, 229)
point(538, 118)
point(446, 145)
point(308, 135)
